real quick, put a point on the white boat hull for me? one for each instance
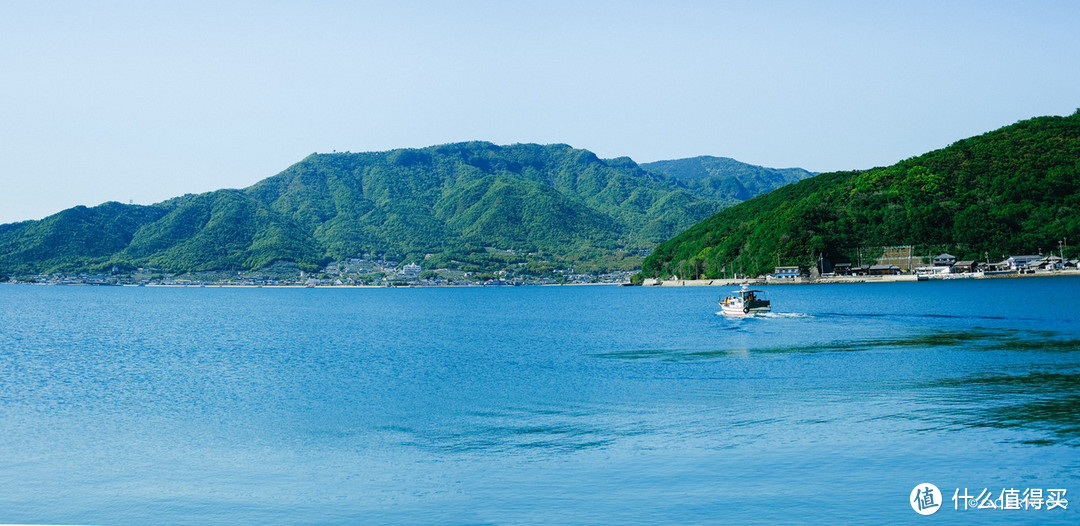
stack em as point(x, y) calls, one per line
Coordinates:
point(734, 310)
point(745, 302)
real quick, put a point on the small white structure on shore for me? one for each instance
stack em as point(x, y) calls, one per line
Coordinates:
point(932, 271)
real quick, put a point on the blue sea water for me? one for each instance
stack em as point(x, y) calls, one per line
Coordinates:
point(581, 405)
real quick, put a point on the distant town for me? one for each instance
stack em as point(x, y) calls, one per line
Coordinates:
point(354, 272)
point(900, 264)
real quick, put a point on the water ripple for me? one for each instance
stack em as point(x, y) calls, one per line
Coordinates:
point(1043, 401)
point(974, 339)
point(539, 430)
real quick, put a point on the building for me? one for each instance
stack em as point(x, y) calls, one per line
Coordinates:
point(792, 272)
point(965, 266)
point(411, 270)
point(1018, 262)
point(1047, 263)
point(944, 260)
point(933, 271)
point(884, 270)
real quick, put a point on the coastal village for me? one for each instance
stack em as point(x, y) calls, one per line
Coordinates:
point(381, 272)
point(372, 271)
point(900, 264)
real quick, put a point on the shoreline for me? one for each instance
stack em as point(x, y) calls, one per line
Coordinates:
point(845, 279)
point(720, 282)
point(236, 286)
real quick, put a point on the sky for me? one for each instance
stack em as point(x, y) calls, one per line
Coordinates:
point(137, 101)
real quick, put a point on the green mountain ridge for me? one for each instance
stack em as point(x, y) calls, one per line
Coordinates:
point(1013, 190)
point(726, 178)
point(443, 206)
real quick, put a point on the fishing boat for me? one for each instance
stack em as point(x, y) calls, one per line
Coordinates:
point(745, 301)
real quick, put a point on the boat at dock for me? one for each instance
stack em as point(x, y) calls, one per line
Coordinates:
point(745, 302)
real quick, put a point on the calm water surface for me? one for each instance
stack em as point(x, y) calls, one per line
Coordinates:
point(535, 405)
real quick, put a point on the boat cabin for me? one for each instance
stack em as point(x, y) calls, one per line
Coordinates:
point(745, 301)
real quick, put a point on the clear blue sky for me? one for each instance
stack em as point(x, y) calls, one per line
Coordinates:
point(142, 101)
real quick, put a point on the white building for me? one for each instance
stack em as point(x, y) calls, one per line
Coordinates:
point(1016, 262)
point(412, 269)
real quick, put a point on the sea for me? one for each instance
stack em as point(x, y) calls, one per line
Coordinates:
point(541, 405)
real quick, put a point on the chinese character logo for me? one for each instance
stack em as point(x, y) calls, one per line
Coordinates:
point(1008, 499)
point(925, 499)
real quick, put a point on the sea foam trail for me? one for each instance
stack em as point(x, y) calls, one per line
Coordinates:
point(770, 315)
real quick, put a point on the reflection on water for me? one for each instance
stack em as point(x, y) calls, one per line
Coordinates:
point(895, 315)
point(1043, 403)
point(541, 405)
point(519, 430)
point(1041, 400)
point(973, 339)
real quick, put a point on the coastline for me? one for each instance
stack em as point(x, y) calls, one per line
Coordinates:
point(240, 286)
point(843, 279)
point(726, 282)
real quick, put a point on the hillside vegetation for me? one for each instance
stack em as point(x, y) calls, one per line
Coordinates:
point(1013, 190)
point(724, 178)
point(540, 206)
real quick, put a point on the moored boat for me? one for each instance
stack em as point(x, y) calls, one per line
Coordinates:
point(744, 302)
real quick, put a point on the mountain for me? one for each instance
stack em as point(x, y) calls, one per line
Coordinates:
point(1013, 190)
point(726, 179)
point(442, 206)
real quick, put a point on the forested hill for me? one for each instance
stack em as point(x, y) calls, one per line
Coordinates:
point(454, 205)
point(726, 178)
point(1013, 190)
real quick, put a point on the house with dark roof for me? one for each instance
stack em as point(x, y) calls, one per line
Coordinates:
point(944, 260)
point(884, 270)
point(1018, 262)
point(965, 266)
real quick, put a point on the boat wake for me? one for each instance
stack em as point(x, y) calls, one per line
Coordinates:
point(922, 315)
point(768, 315)
point(784, 315)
